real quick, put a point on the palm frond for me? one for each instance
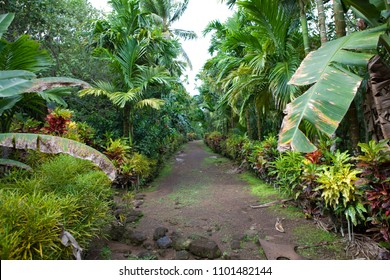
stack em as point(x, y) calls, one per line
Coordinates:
point(154, 103)
point(24, 54)
point(121, 98)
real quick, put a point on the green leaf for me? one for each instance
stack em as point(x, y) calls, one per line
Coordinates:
point(325, 104)
point(14, 163)
point(9, 103)
point(14, 82)
point(55, 145)
point(370, 13)
point(5, 21)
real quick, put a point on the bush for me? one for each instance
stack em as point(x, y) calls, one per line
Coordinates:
point(288, 172)
point(374, 164)
point(64, 193)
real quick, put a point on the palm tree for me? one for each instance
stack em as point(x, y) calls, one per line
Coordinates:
point(257, 58)
point(135, 78)
point(167, 12)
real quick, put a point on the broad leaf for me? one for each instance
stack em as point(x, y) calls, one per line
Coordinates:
point(55, 145)
point(368, 10)
point(9, 103)
point(43, 84)
point(14, 163)
point(14, 82)
point(325, 104)
point(5, 21)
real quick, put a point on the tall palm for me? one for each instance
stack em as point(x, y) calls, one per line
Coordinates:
point(168, 12)
point(129, 91)
point(258, 58)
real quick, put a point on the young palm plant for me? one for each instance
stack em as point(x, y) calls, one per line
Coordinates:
point(136, 77)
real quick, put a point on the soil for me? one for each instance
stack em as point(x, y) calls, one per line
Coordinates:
point(202, 194)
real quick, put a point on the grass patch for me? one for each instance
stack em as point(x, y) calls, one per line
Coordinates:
point(308, 235)
point(290, 211)
point(214, 161)
point(187, 195)
point(165, 171)
point(259, 188)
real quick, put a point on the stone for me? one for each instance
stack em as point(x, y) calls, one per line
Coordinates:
point(137, 203)
point(181, 243)
point(133, 216)
point(139, 196)
point(205, 248)
point(182, 255)
point(159, 233)
point(116, 232)
point(134, 237)
point(164, 242)
point(148, 246)
point(235, 245)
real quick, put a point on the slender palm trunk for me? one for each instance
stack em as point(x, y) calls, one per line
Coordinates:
point(127, 123)
point(352, 113)
point(305, 32)
point(248, 124)
point(321, 20)
point(258, 122)
point(339, 18)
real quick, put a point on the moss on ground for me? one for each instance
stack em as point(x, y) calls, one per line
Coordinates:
point(320, 244)
point(214, 161)
point(259, 188)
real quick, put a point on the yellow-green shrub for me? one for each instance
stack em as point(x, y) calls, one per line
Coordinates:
point(63, 192)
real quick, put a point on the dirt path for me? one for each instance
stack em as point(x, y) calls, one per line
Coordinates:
point(202, 195)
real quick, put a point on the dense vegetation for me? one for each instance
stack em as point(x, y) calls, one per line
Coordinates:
point(297, 91)
point(306, 75)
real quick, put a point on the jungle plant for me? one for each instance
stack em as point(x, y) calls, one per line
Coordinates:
point(56, 145)
point(118, 151)
point(374, 164)
point(288, 170)
point(64, 193)
point(139, 167)
point(234, 145)
point(57, 120)
point(337, 184)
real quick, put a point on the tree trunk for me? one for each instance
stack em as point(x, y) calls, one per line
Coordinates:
point(258, 122)
point(127, 122)
point(339, 18)
point(351, 114)
point(379, 85)
point(248, 124)
point(321, 21)
point(354, 129)
point(305, 32)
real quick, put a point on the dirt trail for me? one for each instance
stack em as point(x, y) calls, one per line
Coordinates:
point(203, 195)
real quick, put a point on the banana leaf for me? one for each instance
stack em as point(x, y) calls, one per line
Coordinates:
point(326, 102)
point(55, 145)
point(5, 21)
point(15, 82)
point(368, 10)
point(14, 163)
point(43, 84)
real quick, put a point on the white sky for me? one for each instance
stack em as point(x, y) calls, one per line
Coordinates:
point(198, 14)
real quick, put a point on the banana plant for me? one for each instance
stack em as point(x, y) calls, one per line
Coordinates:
point(19, 86)
point(333, 86)
point(55, 145)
